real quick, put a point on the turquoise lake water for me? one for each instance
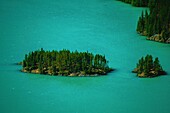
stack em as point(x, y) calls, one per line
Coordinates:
point(106, 27)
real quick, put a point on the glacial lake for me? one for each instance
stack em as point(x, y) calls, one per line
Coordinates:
point(106, 27)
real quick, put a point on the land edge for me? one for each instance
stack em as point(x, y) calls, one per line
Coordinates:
point(155, 38)
point(142, 75)
point(76, 74)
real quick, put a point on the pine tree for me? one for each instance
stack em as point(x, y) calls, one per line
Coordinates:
point(157, 66)
point(147, 68)
point(40, 65)
point(63, 62)
point(150, 62)
point(53, 68)
point(24, 63)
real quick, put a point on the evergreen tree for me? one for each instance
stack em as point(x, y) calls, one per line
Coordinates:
point(146, 67)
point(24, 63)
point(65, 62)
point(157, 66)
point(53, 68)
point(156, 22)
point(40, 65)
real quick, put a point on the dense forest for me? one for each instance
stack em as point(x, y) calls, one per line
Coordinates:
point(146, 67)
point(155, 23)
point(137, 3)
point(65, 62)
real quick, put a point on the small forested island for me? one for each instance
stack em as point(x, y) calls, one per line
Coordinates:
point(154, 24)
point(65, 63)
point(147, 68)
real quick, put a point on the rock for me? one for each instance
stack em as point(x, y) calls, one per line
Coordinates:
point(35, 71)
point(168, 41)
point(155, 37)
point(73, 74)
point(135, 70)
point(142, 75)
point(158, 38)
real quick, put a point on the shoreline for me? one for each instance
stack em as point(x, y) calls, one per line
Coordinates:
point(155, 38)
point(77, 74)
point(65, 62)
point(153, 75)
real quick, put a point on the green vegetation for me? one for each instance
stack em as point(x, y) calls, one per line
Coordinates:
point(149, 68)
point(65, 63)
point(137, 3)
point(154, 24)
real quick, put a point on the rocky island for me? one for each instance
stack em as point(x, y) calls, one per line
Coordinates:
point(65, 63)
point(147, 68)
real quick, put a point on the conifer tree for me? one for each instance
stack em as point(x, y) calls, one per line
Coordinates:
point(146, 67)
point(157, 66)
point(65, 62)
point(156, 22)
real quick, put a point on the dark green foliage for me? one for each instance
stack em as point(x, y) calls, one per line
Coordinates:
point(157, 67)
point(148, 68)
point(141, 23)
point(65, 62)
point(156, 23)
point(137, 3)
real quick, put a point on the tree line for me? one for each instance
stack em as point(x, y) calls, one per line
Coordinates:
point(147, 67)
point(137, 3)
point(64, 62)
point(154, 23)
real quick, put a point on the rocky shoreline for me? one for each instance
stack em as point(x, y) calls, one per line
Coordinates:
point(80, 74)
point(65, 63)
point(152, 74)
point(158, 38)
point(147, 67)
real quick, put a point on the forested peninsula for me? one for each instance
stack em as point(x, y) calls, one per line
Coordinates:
point(65, 63)
point(155, 23)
